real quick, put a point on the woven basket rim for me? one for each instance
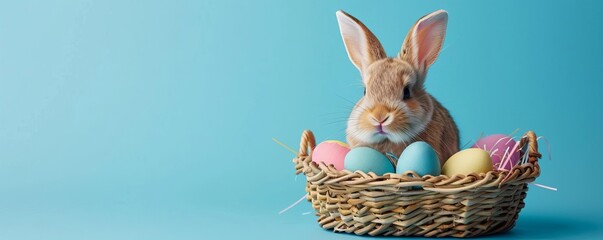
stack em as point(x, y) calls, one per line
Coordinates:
point(328, 175)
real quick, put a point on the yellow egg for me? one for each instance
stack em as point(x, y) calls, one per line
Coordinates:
point(472, 160)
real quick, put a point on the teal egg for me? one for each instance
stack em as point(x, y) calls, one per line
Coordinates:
point(420, 158)
point(367, 160)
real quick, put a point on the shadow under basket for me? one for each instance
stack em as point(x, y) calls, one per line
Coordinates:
point(410, 205)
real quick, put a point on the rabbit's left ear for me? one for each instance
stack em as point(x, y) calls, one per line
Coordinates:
point(424, 41)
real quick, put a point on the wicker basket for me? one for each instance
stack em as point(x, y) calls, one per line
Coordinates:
point(459, 206)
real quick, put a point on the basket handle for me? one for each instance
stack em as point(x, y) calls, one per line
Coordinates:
point(532, 140)
point(307, 143)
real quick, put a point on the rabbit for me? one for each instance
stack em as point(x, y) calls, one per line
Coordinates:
point(396, 110)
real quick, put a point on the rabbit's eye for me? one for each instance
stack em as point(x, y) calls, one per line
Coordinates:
point(364, 91)
point(406, 93)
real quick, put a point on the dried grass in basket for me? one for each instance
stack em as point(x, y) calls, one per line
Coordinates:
point(459, 206)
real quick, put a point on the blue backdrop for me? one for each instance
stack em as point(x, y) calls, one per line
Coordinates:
point(153, 120)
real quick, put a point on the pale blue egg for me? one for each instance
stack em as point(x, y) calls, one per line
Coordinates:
point(367, 160)
point(420, 158)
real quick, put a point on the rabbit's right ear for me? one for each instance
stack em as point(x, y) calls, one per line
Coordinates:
point(362, 46)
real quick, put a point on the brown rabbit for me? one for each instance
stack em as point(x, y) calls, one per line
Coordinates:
point(395, 109)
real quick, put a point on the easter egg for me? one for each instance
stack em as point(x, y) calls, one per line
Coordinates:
point(420, 158)
point(471, 160)
point(330, 152)
point(499, 146)
point(367, 160)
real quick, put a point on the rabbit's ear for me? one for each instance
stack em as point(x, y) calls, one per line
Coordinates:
point(424, 41)
point(362, 46)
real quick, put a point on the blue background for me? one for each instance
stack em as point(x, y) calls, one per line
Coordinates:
point(132, 120)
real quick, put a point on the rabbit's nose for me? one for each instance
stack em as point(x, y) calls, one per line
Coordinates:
point(381, 116)
point(382, 120)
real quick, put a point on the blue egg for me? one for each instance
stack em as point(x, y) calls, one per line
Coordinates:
point(420, 158)
point(367, 160)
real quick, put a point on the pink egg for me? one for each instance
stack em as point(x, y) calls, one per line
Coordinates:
point(499, 146)
point(331, 152)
